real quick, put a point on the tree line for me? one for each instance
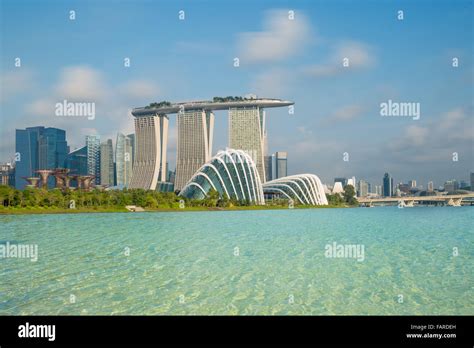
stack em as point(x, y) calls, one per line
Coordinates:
point(55, 198)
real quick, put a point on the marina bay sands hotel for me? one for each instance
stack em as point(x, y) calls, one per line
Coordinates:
point(195, 125)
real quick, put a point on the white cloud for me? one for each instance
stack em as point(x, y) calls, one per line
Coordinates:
point(81, 83)
point(346, 113)
point(452, 118)
point(41, 107)
point(140, 89)
point(449, 132)
point(281, 38)
point(360, 55)
point(272, 83)
point(416, 135)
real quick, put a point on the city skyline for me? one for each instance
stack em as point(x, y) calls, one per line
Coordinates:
point(125, 149)
point(336, 110)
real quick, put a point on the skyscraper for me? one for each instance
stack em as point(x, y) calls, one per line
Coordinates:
point(268, 168)
point(39, 148)
point(151, 139)
point(387, 188)
point(107, 163)
point(247, 133)
point(412, 183)
point(281, 165)
point(363, 188)
point(93, 157)
point(472, 181)
point(430, 186)
point(132, 142)
point(378, 190)
point(7, 174)
point(451, 186)
point(123, 160)
point(195, 133)
point(76, 161)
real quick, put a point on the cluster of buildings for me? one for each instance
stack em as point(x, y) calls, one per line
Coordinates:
point(43, 158)
point(244, 170)
point(390, 189)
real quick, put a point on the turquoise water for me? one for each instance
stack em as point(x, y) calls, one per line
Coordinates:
point(187, 263)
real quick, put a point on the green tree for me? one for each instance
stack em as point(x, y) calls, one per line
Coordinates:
point(151, 202)
point(5, 195)
point(334, 199)
point(349, 195)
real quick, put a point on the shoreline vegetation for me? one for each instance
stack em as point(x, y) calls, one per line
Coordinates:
point(55, 201)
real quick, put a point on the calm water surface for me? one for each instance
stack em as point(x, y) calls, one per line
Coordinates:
point(244, 262)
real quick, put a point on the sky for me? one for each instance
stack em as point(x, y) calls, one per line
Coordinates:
point(292, 50)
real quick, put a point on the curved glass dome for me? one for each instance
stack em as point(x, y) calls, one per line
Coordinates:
point(303, 188)
point(230, 172)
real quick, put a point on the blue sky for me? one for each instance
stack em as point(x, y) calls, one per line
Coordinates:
point(337, 109)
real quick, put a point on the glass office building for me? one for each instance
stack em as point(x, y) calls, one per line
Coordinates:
point(387, 188)
point(93, 157)
point(76, 162)
point(39, 148)
point(281, 166)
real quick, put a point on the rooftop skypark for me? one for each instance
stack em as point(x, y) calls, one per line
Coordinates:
point(218, 103)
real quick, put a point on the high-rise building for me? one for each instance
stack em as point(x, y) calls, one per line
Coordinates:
point(472, 181)
point(195, 133)
point(123, 160)
point(7, 174)
point(430, 186)
point(247, 133)
point(412, 183)
point(132, 142)
point(76, 161)
point(93, 157)
point(268, 168)
point(363, 190)
point(378, 190)
point(281, 165)
point(107, 163)
point(39, 148)
point(387, 188)
point(171, 176)
point(151, 139)
point(451, 186)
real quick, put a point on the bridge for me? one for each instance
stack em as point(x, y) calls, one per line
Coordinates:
point(451, 200)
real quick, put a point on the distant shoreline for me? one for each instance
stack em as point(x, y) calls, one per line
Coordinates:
point(46, 210)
